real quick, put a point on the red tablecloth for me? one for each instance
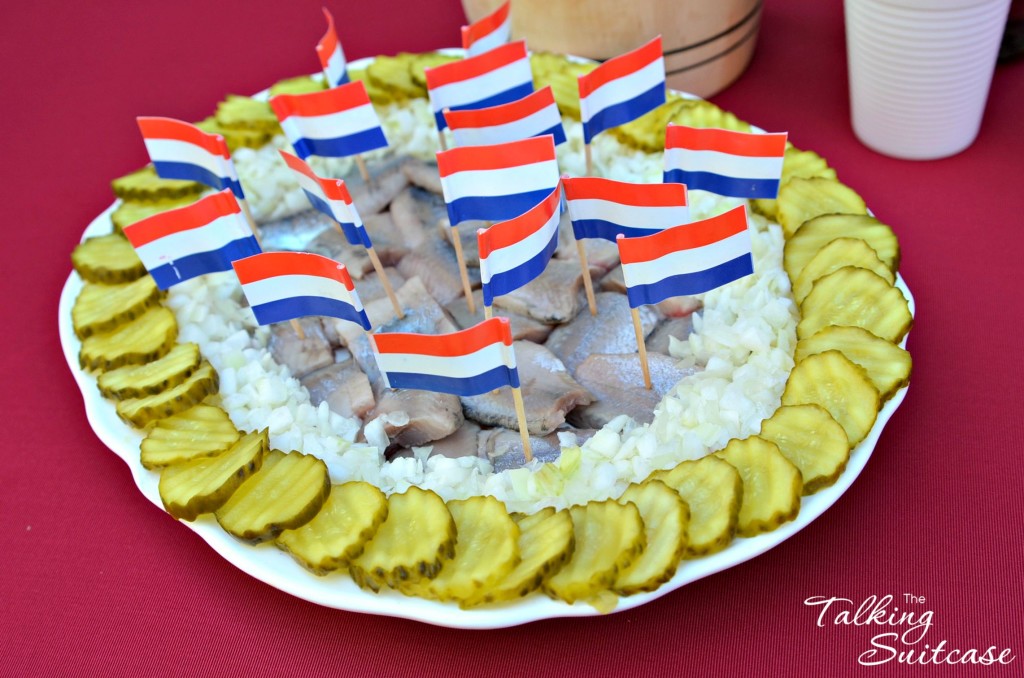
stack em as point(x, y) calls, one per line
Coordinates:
point(98, 581)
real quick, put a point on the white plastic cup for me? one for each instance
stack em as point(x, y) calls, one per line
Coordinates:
point(920, 72)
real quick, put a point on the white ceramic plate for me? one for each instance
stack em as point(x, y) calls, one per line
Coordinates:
point(272, 566)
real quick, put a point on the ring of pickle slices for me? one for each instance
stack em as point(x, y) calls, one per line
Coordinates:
point(841, 262)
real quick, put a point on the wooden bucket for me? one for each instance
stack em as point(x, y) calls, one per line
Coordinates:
point(707, 44)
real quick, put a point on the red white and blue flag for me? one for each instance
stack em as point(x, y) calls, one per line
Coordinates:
point(603, 208)
point(204, 237)
point(497, 182)
point(498, 76)
point(622, 89)
point(331, 197)
point(334, 123)
point(179, 150)
point(282, 286)
point(514, 252)
point(489, 32)
point(467, 363)
point(332, 58)
point(532, 116)
point(735, 164)
point(686, 260)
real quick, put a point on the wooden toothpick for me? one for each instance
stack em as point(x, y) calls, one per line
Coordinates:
point(298, 329)
point(244, 204)
point(466, 288)
point(363, 172)
point(588, 284)
point(590, 161)
point(642, 346)
point(524, 433)
point(487, 313)
point(375, 260)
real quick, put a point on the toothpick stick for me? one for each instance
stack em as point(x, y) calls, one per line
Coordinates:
point(298, 328)
point(590, 161)
point(441, 141)
point(487, 313)
point(466, 288)
point(361, 164)
point(524, 433)
point(244, 204)
point(375, 260)
point(587, 282)
point(642, 347)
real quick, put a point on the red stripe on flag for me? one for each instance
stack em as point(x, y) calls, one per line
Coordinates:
point(507, 233)
point(501, 114)
point(484, 26)
point(473, 67)
point(625, 193)
point(464, 342)
point(325, 48)
point(273, 264)
point(685, 237)
point(186, 218)
point(334, 189)
point(496, 156)
point(177, 130)
point(341, 98)
point(746, 144)
point(620, 66)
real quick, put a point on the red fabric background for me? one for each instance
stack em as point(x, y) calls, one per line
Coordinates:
point(97, 581)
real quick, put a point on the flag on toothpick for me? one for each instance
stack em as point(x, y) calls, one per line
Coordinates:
point(514, 252)
point(499, 181)
point(603, 208)
point(331, 197)
point(281, 286)
point(686, 260)
point(734, 164)
point(532, 116)
point(334, 123)
point(498, 76)
point(332, 58)
point(467, 363)
point(622, 89)
point(489, 32)
point(179, 150)
point(204, 237)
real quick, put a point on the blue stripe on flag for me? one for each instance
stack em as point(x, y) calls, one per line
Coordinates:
point(213, 261)
point(494, 208)
point(355, 236)
point(340, 147)
point(621, 113)
point(460, 386)
point(510, 281)
point(691, 283)
point(344, 80)
point(556, 131)
point(607, 230)
point(297, 307)
point(189, 172)
point(722, 185)
point(506, 97)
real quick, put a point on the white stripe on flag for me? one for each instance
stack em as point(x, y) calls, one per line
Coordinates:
point(333, 125)
point(496, 38)
point(212, 236)
point(507, 258)
point(335, 67)
point(286, 286)
point(457, 367)
point(726, 164)
point(173, 150)
point(622, 89)
point(653, 218)
point(482, 86)
point(537, 176)
point(687, 261)
point(524, 128)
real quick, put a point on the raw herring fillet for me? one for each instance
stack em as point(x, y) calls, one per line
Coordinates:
point(549, 392)
point(611, 331)
point(618, 384)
